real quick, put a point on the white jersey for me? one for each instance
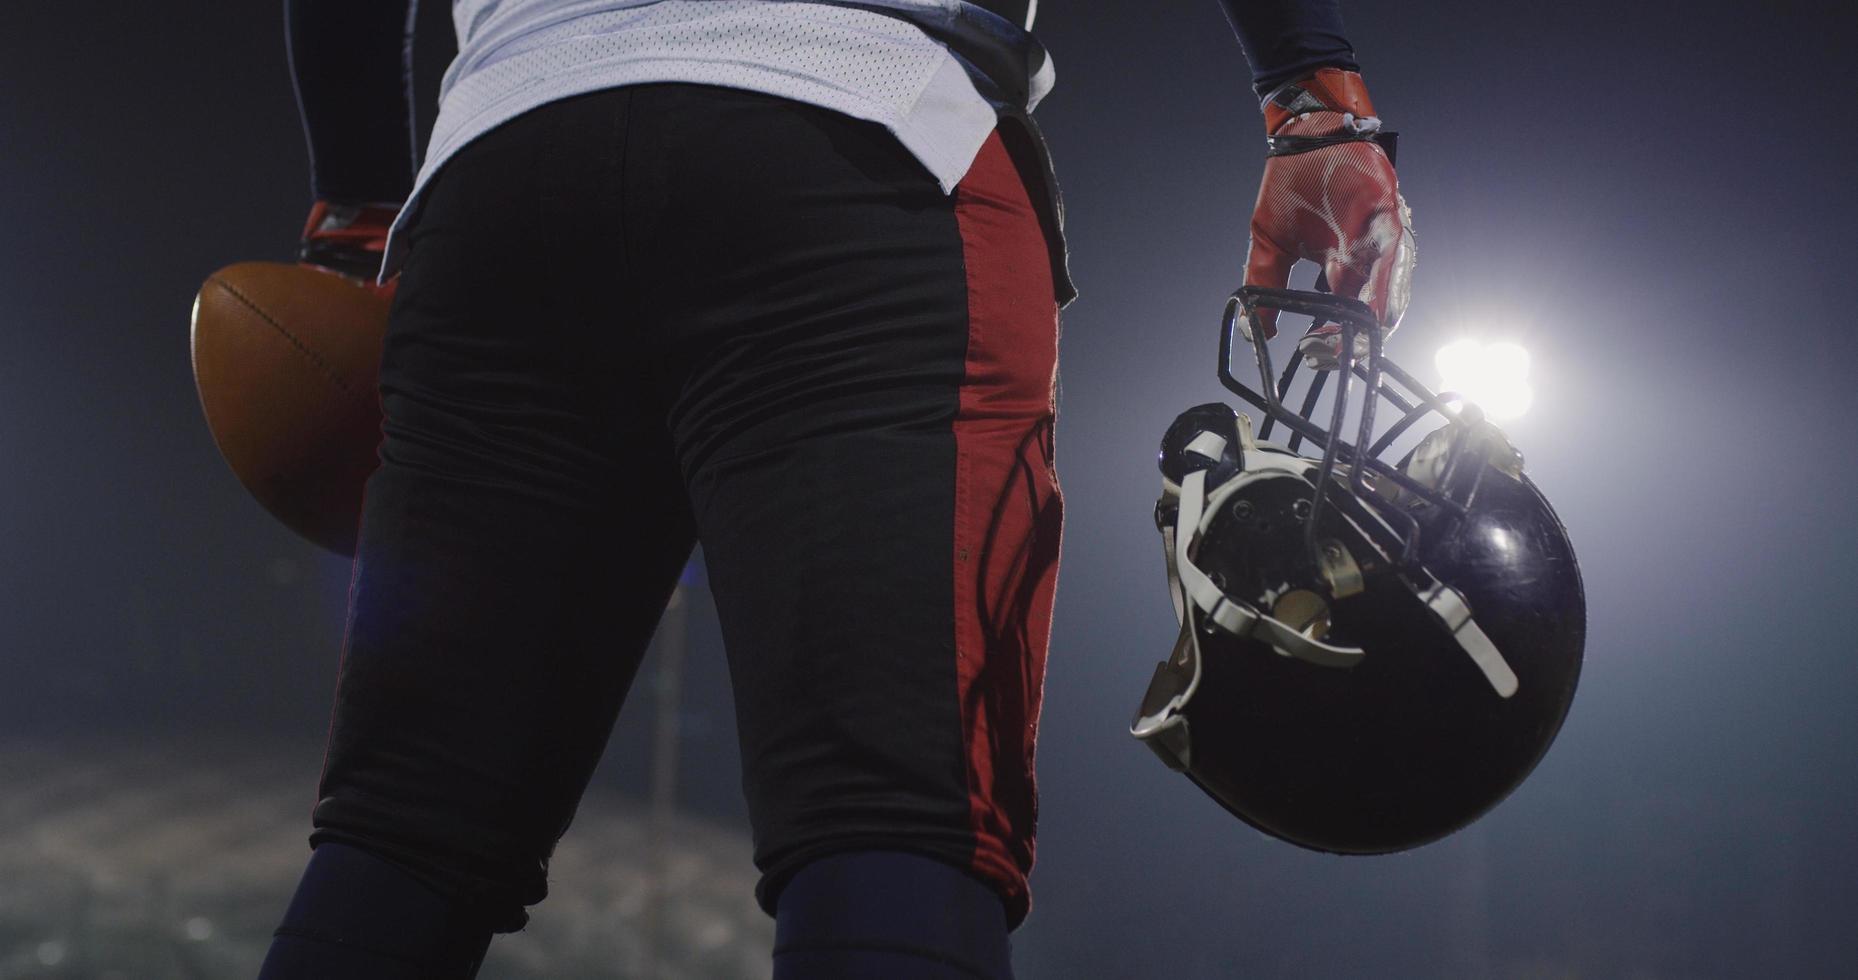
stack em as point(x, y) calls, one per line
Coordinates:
point(883, 67)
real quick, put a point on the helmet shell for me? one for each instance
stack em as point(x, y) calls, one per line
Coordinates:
point(1412, 743)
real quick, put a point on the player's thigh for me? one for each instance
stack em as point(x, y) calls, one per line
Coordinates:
point(524, 529)
point(866, 420)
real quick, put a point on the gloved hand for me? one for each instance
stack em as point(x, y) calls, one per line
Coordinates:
point(349, 240)
point(1329, 195)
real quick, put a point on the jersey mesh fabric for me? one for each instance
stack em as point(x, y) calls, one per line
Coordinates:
point(516, 56)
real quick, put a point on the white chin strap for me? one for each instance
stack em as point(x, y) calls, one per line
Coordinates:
point(1189, 584)
point(1452, 611)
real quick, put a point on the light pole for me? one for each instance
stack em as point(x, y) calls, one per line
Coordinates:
point(671, 643)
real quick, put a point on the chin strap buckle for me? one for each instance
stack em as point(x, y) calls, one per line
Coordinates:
point(1192, 589)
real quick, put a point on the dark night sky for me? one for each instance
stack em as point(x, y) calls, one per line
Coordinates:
point(1655, 198)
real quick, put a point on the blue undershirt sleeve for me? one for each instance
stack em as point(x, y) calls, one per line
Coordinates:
point(366, 74)
point(1286, 39)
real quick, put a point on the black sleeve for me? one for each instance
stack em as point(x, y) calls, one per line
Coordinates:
point(1284, 39)
point(366, 74)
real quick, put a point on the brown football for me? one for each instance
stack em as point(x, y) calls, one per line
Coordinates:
point(287, 359)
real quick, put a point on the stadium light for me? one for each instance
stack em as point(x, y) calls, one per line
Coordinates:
point(1494, 377)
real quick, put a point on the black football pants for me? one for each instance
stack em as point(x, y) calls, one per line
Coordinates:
point(646, 316)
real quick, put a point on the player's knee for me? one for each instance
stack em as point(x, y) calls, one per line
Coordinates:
point(487, 876)
point(889, 913)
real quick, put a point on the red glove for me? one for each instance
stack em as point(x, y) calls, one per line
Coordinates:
point(1332, 199)
point(350, 240)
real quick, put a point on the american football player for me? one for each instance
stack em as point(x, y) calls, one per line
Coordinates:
point(780, 276)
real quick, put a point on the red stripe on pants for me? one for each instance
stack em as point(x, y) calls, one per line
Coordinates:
point(1008, 512)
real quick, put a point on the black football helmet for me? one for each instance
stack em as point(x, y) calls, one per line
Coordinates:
point(1371, 654)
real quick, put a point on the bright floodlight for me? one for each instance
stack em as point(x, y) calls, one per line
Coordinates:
point(1494, 377)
